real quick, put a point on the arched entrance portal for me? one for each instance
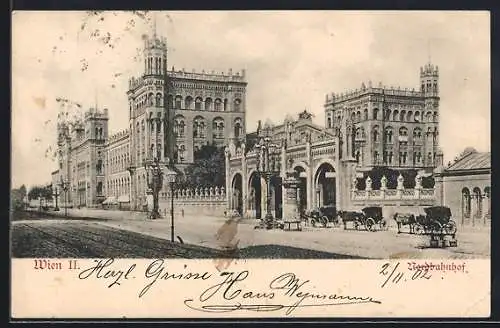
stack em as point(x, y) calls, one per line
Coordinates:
point(255, 195)
point(302, 188)
point(324, 179)
point(237, 193)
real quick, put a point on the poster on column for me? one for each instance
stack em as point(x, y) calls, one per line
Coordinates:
point(278, 212)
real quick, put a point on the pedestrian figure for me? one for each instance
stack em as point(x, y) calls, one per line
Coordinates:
point(182, 212)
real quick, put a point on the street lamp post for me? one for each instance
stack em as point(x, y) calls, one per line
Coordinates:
point(56, 195)
point(267, 167)
point(155, 182)
point(64, 186)
point(171, 175)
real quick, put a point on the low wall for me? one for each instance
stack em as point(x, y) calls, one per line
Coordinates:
point(193, 207)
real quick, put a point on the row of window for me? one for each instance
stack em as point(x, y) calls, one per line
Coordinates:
point(477, 196)
point(395, 115)
point(189, 103)
point(200, 127)
point(403, 158)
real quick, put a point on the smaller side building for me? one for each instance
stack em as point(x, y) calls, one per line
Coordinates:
point(466, 188)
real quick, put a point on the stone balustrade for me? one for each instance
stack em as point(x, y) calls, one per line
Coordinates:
point(393, 194)
point(215, 194)
point(400, 194)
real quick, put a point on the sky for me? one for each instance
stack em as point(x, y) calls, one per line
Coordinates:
point(70, 61)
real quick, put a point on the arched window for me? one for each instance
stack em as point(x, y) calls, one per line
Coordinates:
point(366, 114)
point(208, 104)
point(409, 116)
point(358, 116)
point(388, 134)
point(353, 117)
point(358, 156)
point(375, 134)
point(395, 115)
point(478, 202)
point(99, 166)
point(402, 116)
point(218, 128)
point(435, 117)
point(417, 134)
point(158, 100)
point(199, 127)
point(151, 99)
point(178, 102)
point(466, 203)
point(403, 131)
point(329, 122)
point(428, 117)
point(188, 103)
point(375, 113)
point(218, 105)
point(417, 117)
point(237, 105)
point(197, 103)
point(237, 128)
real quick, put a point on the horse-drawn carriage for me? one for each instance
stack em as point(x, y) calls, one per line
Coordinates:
point(437, 220)
point(370, 218)
point(320, 217)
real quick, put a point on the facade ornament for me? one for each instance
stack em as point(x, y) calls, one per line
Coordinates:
point(368, 183)
point(401, 181)
point(216, 191)
point(418, 181)
point(383, 183)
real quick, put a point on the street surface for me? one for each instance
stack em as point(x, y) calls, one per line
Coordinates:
point(125, 234)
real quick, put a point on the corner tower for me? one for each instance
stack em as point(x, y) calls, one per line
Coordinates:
point(429, 80)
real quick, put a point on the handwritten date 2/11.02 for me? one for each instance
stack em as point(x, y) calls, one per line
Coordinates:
point(392, 274)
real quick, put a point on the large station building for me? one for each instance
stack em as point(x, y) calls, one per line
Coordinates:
point(172, 113)
point(370, 127)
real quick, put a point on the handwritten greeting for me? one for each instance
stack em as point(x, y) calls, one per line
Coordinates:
point(229, 291)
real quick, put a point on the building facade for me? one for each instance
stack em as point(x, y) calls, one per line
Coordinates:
point(172, 113)
point(394, 127)
point(466, 188)
point(365, 128)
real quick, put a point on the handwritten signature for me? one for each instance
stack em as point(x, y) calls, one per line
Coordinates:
point(286, 285)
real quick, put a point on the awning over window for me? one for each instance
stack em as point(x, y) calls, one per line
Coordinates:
point(123, 199)
point(110, 201)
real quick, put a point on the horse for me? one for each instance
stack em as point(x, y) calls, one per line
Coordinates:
point(351, 216)
point(403, 219)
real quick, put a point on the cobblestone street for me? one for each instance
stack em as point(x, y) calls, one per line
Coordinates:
point(220, 234)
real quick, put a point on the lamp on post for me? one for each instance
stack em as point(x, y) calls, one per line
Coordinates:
point(267, 167)
point(154, 176)
point(56, 195)
point(64, 187)
point(171, 175)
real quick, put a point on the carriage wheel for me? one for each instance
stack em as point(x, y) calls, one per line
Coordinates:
point(313, 223)
point(324, 221)
point(418, 229)
point(436, 227)
point(370, 224)
point(451, 227)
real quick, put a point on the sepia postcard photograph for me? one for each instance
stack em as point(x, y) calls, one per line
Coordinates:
point(248, 164)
